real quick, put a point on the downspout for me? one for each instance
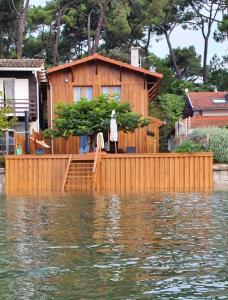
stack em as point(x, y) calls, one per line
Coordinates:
point(37, 102)
point(51, 115)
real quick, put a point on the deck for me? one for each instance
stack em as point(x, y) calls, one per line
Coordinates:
point(44, 174)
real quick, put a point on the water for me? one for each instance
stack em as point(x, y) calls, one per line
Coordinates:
point(153, 246)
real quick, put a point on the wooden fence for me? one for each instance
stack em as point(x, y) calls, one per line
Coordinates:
point(116, 173)
point(162, 171)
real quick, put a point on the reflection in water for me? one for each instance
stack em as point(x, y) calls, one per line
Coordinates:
point(153, 246)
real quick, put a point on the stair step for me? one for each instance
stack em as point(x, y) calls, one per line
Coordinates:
point(80, 176)
point(80, 172)
point(81, 168)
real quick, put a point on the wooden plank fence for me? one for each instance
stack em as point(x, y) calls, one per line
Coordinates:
point(30, 174)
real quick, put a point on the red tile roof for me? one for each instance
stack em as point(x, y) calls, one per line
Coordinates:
point(209, 121)
point(21, 63)
point(105, 59)
point(204, 100)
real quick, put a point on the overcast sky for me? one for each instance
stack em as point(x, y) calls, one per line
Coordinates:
point(179, 38)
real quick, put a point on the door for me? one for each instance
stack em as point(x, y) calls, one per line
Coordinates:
point(83, 92)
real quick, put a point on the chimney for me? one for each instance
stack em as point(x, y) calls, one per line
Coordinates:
point(135, 56)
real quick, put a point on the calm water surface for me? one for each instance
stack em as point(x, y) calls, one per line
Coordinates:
point(153, 246)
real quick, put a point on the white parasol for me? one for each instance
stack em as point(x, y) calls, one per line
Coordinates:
point(113, 129)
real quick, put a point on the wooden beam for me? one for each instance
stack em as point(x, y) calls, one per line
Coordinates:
point(96, 66)
point(120, 73)
point(72, 73)
point(144, 81)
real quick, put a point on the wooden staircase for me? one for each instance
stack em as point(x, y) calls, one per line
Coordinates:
point(79, 174)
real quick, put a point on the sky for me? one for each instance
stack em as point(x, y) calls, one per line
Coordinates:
point(180, 38)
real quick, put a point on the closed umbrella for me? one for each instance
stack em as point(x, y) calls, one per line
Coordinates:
point(113, 129)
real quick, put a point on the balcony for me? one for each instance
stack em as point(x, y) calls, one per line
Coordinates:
point(19, 106)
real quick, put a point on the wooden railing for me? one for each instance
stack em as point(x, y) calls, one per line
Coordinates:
point(97, 160)
point(19, 106)
point(66, 173)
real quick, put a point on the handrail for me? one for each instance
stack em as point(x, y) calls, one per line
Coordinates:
point(95, 160)
point(67, 169)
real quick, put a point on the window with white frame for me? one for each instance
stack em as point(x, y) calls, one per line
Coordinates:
point(114, 91)
point(83, 92)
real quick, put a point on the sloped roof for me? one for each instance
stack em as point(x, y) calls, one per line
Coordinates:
point(104, 59)
point(21, 63)
point(209, 121)
point(204, 100)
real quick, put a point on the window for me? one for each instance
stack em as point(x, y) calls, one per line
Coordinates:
point(83, 92)
point(218, 101)
point(7, 86)
point(114, 91)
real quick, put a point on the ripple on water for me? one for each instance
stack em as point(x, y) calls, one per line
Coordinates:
point(151, 246)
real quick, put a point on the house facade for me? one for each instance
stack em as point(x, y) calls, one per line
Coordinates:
point(95, 75)
point(203, 109)
point(23, 87)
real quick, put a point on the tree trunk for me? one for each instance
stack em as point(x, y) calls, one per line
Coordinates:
point(89, 33)
point(21, 27)
point(205, 67)
point(99, 26)
point(172, 55)
point(1, 44)
point(146, 48)
point(57, 35)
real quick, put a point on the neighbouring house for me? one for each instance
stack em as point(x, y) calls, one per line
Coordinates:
point(95, 75)
point(24, 86)
point(202, 109)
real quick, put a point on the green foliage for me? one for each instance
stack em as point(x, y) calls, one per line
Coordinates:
point(188, 61)
point(5, 121)
point(218, 75)
point(172, 105)
point(188, 146)
point(218, 142)
point(168, 107)
point(90, 117)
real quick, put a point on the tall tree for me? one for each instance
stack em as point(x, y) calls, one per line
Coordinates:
point(188, 61)
point(173, 14)
point(21, 19)
point(205, 15)
point(100, 24)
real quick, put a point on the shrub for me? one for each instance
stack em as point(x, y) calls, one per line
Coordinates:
point(217, 142)
point(188, 146)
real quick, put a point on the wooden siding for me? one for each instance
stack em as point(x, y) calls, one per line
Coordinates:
point(33, 174)
point(133, 90)
point(165, 171)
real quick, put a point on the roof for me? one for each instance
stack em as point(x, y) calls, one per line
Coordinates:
point(209, 121)
point(104, 59)
point(204, 100)
point(21, 63)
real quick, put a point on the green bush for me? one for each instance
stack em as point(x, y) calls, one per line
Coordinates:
point(188, 146)
point(217, 142)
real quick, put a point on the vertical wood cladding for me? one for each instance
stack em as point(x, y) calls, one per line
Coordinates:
point(97, 75)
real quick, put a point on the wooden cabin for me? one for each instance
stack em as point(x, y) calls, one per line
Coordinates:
point(95, 75)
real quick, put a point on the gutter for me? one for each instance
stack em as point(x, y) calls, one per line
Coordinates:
point(37, 101)
point(20, 69)
point(51, 115)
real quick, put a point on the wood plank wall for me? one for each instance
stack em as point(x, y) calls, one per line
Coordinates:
point(33, 174)
point(133, 90)
point(146, 172)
